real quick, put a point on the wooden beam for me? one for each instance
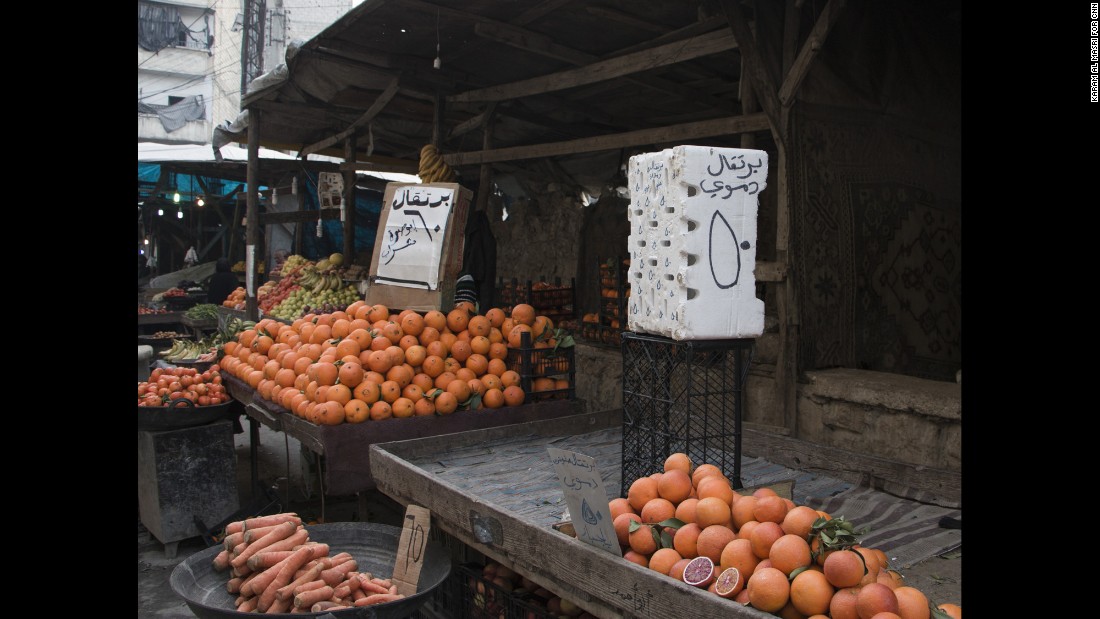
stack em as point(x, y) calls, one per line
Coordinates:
point(704, 45)
point(485, 179)
point(625, 18)
point(349, 197)
point(367, 116)
point(753, 65)
point(809, 51)
point(791, 22)
point(708, 128)
point(545, 46)
point(524, 18)
point(770, 271)
point(408, 167)
point(293, 217)
point(474, 122)
point(252, 228)
point(704, 26)
point(437, 120)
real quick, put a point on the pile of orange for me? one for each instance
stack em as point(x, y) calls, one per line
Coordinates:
point(768, 539)
point(365, 363)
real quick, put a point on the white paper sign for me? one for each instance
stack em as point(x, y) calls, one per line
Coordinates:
point(584, 494)
point(416, 224)
point(330, 189)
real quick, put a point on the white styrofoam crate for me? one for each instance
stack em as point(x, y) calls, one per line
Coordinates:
point(692, 242)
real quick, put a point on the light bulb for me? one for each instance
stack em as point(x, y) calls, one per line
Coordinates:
point(146, 241)
point(176, 197)
point(200, 202)
point(179, 214)
point(160, 211)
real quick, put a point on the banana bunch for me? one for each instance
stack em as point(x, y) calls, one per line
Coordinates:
point(330, 280)
point(308, 277)
point(233, 326)
point(432, 167)
point(185, 349)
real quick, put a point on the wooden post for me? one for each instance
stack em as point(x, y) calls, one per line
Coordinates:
point(437, 122)
point(786, 364)
point(252, 228)
point(485, 183)
point(350, 156)
point(298, 225)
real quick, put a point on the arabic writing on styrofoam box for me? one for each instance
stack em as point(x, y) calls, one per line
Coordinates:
point(413, 243)
point(587, 500)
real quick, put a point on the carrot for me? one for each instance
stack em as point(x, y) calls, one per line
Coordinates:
point(240, 572)
point(279, 606)
point(311, 575)
point(393, 589)
point(266, 521)
point(338, 573)
point(342, 557)
point(342, 591)
point(370, 587)
point(357, 594)
point(252, 535)
point(385, 582)
point(294, 540)
point(378, 598)
point(308, 586)
point(221, 561)
point(264, 579)
point(298, 558)
point(322, 605)
point(234, 527)
point(267, 558)
point(353, 580)
point(248, 605)
point(307, 599)
point(278, 534)
point(231, 541)
point(233, 585)
point(238, 549)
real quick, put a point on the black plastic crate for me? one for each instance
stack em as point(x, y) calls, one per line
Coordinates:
point(682, 397)
point(467, 594)
point(532, 363)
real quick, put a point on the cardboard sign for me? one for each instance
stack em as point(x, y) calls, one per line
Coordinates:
point(330, 189)
point(584, 494)
point(410, 549)
point(418, 248)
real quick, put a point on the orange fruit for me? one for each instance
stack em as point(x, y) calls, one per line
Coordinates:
point(514, 395)
point(496, 367)
point(457, 320)
point(728, 583)
point(641, 540)
point(674, 485)
point(413, 324)
point(912, 603)
point(685, 511)
point(403, 407)
point(414, 392)
point(445, 403)
point(954, 610)
point(436, 320)
point(811, 592)
point(478, 364)
point(738, 553)
point(657, 510)
point(402, 374)
point(479, 325)
point(350, 374)
point(799, 521)
point(843, 604)
point(622, 526)
point(763, 536)
point(712, 510)
point(515, 336)
point(461, 351)
point(641, 491)
point(676, 572)
point(338, 393)
point(378, 312)
point(523, 314)
point(746, 529)
point(390, 390)
point(356, 411)
point(425, 382)
point(617, 506)
point(742, 510)
point(870, 559)
point(769, 590)
point(703, 470)
point(424, 407)
point(715, 486)
point(330, 413)
point(790, 552)
point(686, 540)
point(843, 569)
point(679, 460)
point(663, 560)
point(713, 540)
point(875, 598)
point(635, 557)
point(367, 391)
point(492, 398)
point(769, 509)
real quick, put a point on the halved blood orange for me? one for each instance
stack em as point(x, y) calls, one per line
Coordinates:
point(699, 572)
point(729, 583)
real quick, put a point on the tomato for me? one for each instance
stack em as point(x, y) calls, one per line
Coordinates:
point(175, 386)
point(163, 391)
point(206, 376)
point(175, 395)
point(156, 373)
point(204, 400)
point(152, 400)
point(200, 388)
point(215, 368)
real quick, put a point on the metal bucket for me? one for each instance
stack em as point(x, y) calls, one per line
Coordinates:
point(372, 545)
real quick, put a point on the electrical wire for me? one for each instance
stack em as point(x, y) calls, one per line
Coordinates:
point(209, 7)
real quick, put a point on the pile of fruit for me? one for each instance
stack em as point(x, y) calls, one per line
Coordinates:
point(364, 363)
point(190, 350)
point(145, 309)
point(168, 384)
point(275, 568)
point(241, 267)
point(759, 549)
point(166, 335)
point(272, 294)
point(486, 601)
point(175, 292)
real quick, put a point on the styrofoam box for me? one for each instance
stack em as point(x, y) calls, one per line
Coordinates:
point(693, 242)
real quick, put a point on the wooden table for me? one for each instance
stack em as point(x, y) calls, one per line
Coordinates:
point(495, 490)
point(346, 447)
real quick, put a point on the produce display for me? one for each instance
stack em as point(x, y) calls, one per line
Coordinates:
point(168, 384)
point(509, 590)
point(365, 364)
point(190, 350)
point(168, 294)
point(202, 311)
point(275, 568)
point(145, 309)
point(759, 549)
point(166, 335)
point(241, 267)
point(432, 167)
point(304, 288)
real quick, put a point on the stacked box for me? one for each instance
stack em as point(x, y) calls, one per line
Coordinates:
point(546, 363)
point(692, 242)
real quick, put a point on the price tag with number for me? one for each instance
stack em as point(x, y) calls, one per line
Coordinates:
point(410, 549)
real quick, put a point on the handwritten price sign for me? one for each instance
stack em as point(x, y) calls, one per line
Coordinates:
point(584, 494)
point(416, 225)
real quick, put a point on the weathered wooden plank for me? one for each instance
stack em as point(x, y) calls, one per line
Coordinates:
point(770, 271)
point(375, 109)
point(856, 468)
point(606, 585)
point(809, 51)
point(703, 45)
point(708, 128)
point(625, 18)
point(350, 148)
point(754, 68)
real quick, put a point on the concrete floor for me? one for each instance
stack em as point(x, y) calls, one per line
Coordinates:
point(283, 468)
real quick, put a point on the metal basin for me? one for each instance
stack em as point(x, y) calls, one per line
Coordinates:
point(372, 545)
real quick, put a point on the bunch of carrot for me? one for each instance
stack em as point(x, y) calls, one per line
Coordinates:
point(274, 568)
